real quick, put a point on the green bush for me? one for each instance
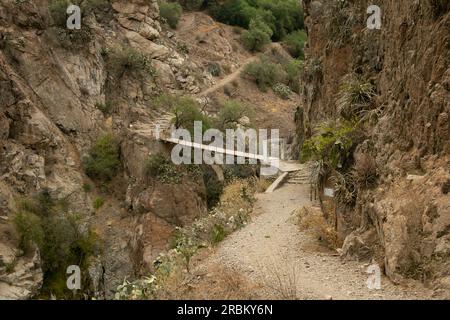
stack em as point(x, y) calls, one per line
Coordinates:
point(171, 12)
point(87, 187)
point(282, 90)
point(46, 222)
point(218, 234)
point(332, 144)
point(295, 42)
point(257, 36)
point(230, 113)
point(58, 12)
point(191, 4)
point(98, 203)
point(105, 108)
point(239, 171)
point(264, 73)
point(162, 169)
point(123, 60)
point(155, 164)
point(103, 160)
point(28, 225)
point(293, 71)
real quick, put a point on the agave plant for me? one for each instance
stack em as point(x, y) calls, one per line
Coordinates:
point(354, 97)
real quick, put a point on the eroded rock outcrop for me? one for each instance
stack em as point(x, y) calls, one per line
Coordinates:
point(50, 90)
point(403, 221)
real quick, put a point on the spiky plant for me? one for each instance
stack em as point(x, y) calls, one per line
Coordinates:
point(354, 97)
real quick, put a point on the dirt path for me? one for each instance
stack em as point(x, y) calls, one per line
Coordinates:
point(229, 78)
point(287, 263)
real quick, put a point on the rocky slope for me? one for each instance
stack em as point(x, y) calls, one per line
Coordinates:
point(403, 221)
point(51, 84)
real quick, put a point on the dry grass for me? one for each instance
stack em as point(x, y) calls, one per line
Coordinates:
point(313, 221)
point(263, 184)
point(365, 171)
point(284, 284)
point(239, 194)
point(219, 283)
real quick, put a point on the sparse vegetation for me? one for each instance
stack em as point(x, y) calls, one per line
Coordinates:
point(159, 167)
point(103, 161)
point(314, 222)
point(105, 108)
point(295, 43)
point(218, 234)
point(340, 23)
point(72, 39)
point(264, 73)
point(312, 69)
point(87, 187)
point(345, 188)
point(98, 203)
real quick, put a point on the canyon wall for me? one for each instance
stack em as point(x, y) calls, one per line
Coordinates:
point(403, 222)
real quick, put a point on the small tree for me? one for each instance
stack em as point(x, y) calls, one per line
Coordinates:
point(257, 36)
point(230, 114)
point(185, 109)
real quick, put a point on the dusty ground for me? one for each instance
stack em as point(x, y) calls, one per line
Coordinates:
point(270, 258)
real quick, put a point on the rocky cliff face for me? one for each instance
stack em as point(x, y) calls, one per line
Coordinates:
point(404, 220)
point(51, 85)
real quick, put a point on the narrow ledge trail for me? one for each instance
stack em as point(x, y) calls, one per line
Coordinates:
point(286, 263)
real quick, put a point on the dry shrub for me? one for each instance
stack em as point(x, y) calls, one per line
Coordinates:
point(313, 221)
point(239, 194)
point(345, 188)
point(283, 281)
point(263, 184)
point(365, 171)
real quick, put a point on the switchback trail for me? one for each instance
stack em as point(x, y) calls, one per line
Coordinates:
point(226, 80)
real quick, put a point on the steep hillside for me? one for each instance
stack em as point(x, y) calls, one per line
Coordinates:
point(77, 173)
point(392, 85)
